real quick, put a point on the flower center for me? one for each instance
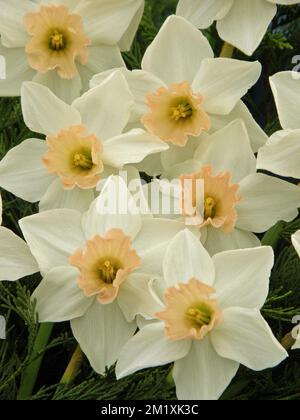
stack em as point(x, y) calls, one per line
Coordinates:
point(57, 41)
point(200, 315)
point(105, 264)
point(209, 199)
point(75, 157)
point(191, 311)
point(108, 271)
point(83, 161)
point(209, 208)
point(175, 113)
point(181, 111)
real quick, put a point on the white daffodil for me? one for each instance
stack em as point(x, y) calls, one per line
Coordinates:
point(209, 321)
point(16, 260)
point(182, 90)
point(281, 154)
point(237, 201)
point(84, 143)
point(96, 269)
point(63, 43)
point(296, 243)
point(242, 23)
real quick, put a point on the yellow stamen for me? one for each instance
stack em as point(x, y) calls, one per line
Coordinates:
point(108, 272)
point(201, 316)
point(209, 207)
point(82, 161)
point(181, 111)
point(57, 41)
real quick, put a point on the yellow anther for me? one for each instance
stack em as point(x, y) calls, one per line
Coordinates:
point(209, 207)
point(57, 41)
point(108, 272)
point(82, 161)
point(181, 111)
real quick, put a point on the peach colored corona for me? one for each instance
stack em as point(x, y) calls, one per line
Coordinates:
point(75, 157)
point(57, 40)
point(175, 113)
point(191, 312)
point(105, 265)
point(220, 199)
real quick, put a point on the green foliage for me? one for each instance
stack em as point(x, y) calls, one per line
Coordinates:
point(283, 303)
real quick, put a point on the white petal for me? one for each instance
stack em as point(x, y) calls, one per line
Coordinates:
point(43, 112)
point(176, 155)
point(187, 167)
point(131, 147)
point(114, 209)
point(228, 149)
point(296, 241)
point(221, 94)
point(53, 236)
point(244, 336)
point(127, 39)
point(140, 84)
point(150, 348)
point(17, 71)
point(174, 57)
point(23, 173)
point(106, 22)
point(101, 333)
point(65, 89)
point(286, 90)
point(16, 260)
point(241, 26)
point(265, 201)
point(202, 13)
point(256, 134)
point(203, 374)
point(242, 277)
point(151, 165)
point(58, 296)
point(100, 58)
point(134, 297)
point(105, 109)
point(186, 258)
point(152, 241)
point(58, 198)
point(12, 29)
point(218, 241)
point(282, 157)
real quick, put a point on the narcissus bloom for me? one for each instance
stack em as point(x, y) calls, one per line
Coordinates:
point(16, 260)
point(242, 23)
point(96, 269)
point(237, 200)
point(209, 321)
point(182, 90)
point(84, 143)
point(281, 154)
point(63, 43)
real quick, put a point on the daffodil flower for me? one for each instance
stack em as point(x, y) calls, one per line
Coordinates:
point(183, 91)
point(63, 43)
point(96, 269)
point(242, 23)
point(84, 144)
point(209, 321)
point(16, 260)
point(237, 199)
point(281, 154)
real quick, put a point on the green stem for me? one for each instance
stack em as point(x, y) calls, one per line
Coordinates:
point(73, 367)
point(31, 371)
point(227, 50)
